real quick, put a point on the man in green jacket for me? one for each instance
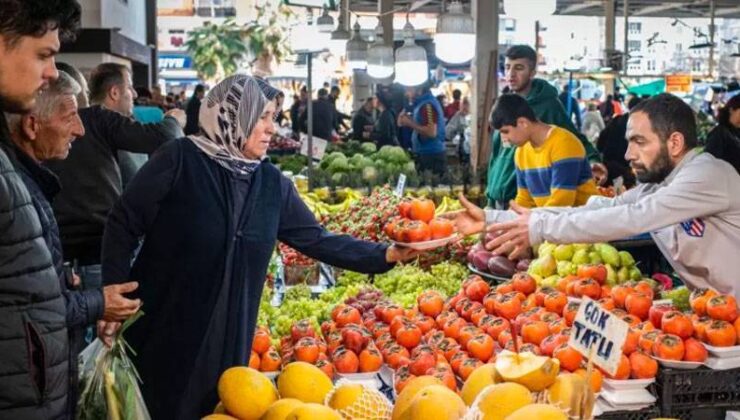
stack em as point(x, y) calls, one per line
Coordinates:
point(521, 67)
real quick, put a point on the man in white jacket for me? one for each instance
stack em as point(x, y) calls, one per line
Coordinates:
point(687, 200)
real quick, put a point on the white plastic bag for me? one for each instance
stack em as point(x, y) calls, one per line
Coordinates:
point(109, 383)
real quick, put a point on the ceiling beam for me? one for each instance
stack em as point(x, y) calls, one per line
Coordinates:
point(576, 7)
point(728, 11)
point(656, 9)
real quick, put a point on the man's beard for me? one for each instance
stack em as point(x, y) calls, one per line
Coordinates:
point(659, 170)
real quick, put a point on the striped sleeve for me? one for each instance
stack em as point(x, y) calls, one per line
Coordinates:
point(568, 162)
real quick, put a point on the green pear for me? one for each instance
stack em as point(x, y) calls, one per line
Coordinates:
point(565, 268)
point(545, 249)
point(623, 274)
point(550, 281)
point(635, 273)
point(580, 257)
point(595, 258)
point(563, 252)
point(610, 255)
point(598, 246)
point(625, 258)
point(578, 247)
point(611, 276)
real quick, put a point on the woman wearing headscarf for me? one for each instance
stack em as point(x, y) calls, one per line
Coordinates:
point(209, 208)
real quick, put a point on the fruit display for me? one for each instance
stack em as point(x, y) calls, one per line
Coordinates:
point(498, 265)
point(557, 261)
point(416, 222)
point(316, 201)
point(366, 217)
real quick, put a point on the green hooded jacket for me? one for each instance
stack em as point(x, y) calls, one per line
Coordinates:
point(543, 98)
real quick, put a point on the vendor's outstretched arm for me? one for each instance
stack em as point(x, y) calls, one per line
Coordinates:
point(688, 196)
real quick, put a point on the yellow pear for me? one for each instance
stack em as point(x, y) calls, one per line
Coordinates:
point(480, 378)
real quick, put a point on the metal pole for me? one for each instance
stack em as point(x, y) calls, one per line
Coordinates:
point(570, 97)
point(711, 38)
point(609, 24)
point(537, 41)
point(309, 112)
point(626, 36)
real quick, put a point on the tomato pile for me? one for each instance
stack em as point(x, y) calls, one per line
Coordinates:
point(416, 223)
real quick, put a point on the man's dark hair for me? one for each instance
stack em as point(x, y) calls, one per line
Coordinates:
point(335, 88)
point(103, 78)
point(199, 88)
point(456, 94)
point(669, 114)
point(509, 108)
point(143, 92)
point(19, 18)
point(322, 93)
point(516, 52)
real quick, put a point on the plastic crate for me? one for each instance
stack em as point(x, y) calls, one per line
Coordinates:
point(644, 414)
point(685, 393)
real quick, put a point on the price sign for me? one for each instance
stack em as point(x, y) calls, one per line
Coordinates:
point(400, 185)
point(596, 327)
point(319, 146)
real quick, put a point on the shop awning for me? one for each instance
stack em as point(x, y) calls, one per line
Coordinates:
point(652, 88)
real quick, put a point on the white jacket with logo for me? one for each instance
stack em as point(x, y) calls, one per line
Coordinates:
point(693, 217)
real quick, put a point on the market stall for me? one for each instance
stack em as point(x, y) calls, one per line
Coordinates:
point(463, 333)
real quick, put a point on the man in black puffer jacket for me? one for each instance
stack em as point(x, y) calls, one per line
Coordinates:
point(33, 334)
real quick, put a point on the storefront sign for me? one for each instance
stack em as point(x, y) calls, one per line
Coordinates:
point(597, 331)
point(175, 62)
point(680, 83)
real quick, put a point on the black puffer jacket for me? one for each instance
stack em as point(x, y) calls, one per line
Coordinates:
point(84, 307)
point(33, 334)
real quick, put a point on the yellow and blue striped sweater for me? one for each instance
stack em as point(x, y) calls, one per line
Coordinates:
point(554, 174)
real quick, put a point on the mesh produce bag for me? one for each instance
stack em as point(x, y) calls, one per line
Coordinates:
point(371, 405)
point(109, 383)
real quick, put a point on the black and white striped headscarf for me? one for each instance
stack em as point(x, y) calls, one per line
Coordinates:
point(227, 117)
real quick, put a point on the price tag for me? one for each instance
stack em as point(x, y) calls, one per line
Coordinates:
point(400, 185)
point(319, 146)
point(596, 327)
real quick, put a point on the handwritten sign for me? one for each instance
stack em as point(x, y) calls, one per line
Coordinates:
point(319, 146)
point(596, 327)
point(400, 185)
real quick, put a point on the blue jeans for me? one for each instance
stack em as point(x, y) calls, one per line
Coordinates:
point(91, 277)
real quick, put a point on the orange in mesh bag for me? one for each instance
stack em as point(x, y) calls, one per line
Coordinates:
point(356, 401)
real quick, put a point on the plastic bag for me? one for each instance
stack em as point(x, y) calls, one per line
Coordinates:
point(109, 383)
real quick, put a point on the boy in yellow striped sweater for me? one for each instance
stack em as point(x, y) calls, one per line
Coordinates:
point(551, 164)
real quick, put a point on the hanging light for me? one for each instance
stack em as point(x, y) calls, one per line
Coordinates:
point(356, 50)
point(379, 56)
point(529, 8)
point(325, 23)
point(455, 37)
point(412, 68)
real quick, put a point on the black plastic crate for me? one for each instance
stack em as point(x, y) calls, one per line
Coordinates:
point(682, 393)
point(693, 413)
point(644, 414)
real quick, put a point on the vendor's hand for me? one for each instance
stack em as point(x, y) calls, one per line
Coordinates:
point(178, 115)
point(470, 220)
point(404, 120)
point(599, 173)
point(118, 307)
point(107, 331)
point(395, 254)
point(512, 236)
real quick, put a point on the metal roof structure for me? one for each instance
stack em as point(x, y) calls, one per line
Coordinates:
point(729, 9)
